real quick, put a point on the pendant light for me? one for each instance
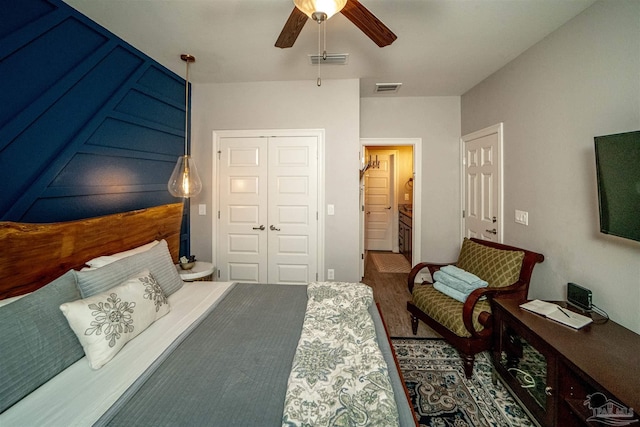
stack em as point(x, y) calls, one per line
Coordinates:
point(184, 181)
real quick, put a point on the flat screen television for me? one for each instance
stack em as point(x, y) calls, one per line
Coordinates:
point(618, 174)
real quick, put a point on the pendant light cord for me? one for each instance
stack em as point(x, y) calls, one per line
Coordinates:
point(186, 112)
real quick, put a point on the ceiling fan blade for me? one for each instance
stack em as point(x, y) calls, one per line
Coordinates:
point(292, 28)
point(355, 12)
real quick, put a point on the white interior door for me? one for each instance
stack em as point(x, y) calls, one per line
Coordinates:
point(242, 224)
point(268, 209)
point(379, 204)
point(293, 207)
point(482, 166)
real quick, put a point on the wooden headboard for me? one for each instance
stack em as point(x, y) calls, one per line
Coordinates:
point(32, 255)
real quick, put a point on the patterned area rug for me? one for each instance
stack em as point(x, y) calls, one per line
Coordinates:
point(390, 263)
point(441, 394)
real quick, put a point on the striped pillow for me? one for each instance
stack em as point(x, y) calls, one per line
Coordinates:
point(157, 260)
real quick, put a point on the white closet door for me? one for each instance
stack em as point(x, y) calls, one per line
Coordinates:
point(293, 206)
point(268, 199)
point(242, 234)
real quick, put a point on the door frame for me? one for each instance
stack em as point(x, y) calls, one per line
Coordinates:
point(264, 133)
point(416, 229)
point(494, 129)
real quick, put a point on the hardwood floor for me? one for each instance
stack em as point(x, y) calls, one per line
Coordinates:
point(391, 293)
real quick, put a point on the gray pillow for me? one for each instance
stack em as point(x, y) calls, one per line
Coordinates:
point(157, 260)
point(36, 342)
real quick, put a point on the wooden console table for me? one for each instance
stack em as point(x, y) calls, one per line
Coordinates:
point(553, 369)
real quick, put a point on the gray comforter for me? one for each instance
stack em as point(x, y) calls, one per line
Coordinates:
point(232, 368)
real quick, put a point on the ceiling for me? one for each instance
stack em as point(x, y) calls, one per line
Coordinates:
point(444, 47)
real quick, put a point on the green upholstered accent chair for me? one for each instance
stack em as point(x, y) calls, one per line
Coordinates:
point(468, 326)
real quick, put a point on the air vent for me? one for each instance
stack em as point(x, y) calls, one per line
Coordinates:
point(331, 59)
point(387, 87)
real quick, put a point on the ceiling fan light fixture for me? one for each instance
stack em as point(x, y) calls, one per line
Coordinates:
point(320, 7)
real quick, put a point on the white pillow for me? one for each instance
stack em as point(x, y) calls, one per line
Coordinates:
point(105, 322)
point(101, 261)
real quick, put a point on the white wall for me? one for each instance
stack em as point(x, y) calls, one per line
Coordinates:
point(286, 105)
point(437, 121)
point(581, 81)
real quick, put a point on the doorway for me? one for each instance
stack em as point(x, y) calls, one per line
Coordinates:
point(405, 164)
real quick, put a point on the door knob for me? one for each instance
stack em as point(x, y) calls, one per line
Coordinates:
point(259, 228)
point(494, 231)
point(273, 227)
point(388, 207)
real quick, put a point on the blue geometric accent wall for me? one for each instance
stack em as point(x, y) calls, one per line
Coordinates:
point(88, 124)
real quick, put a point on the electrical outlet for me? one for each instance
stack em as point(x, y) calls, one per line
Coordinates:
point(202, 209)
point(330, 274)
point(406, 197)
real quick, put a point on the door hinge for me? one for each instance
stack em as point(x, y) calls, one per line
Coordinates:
point(464, 214)
point(316, 277)
point(361, 256)
point(218, 214)
point(219, 154)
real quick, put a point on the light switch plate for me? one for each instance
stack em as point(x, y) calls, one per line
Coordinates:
point(331, 210)
point(202, 209)
point(522, 217)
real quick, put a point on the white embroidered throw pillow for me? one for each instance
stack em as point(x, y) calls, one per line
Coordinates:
point(105, 322)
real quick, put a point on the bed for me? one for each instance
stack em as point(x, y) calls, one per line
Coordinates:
point(195, 353)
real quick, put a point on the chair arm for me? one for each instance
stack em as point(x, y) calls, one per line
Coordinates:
point(472, 300)
point(419, 267)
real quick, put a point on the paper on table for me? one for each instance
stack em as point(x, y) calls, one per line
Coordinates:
point(555, 312)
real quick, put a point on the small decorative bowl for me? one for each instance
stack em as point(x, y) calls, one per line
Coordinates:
point(187, 265)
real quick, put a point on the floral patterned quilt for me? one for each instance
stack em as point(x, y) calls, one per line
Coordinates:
point(339, 376)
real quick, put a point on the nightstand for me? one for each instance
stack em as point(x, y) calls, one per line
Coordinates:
point(202, 271)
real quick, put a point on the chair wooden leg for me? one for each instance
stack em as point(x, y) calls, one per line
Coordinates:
point(468, 361)
point(414, 324)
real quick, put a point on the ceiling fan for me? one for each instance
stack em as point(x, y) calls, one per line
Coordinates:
point(353, 10)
